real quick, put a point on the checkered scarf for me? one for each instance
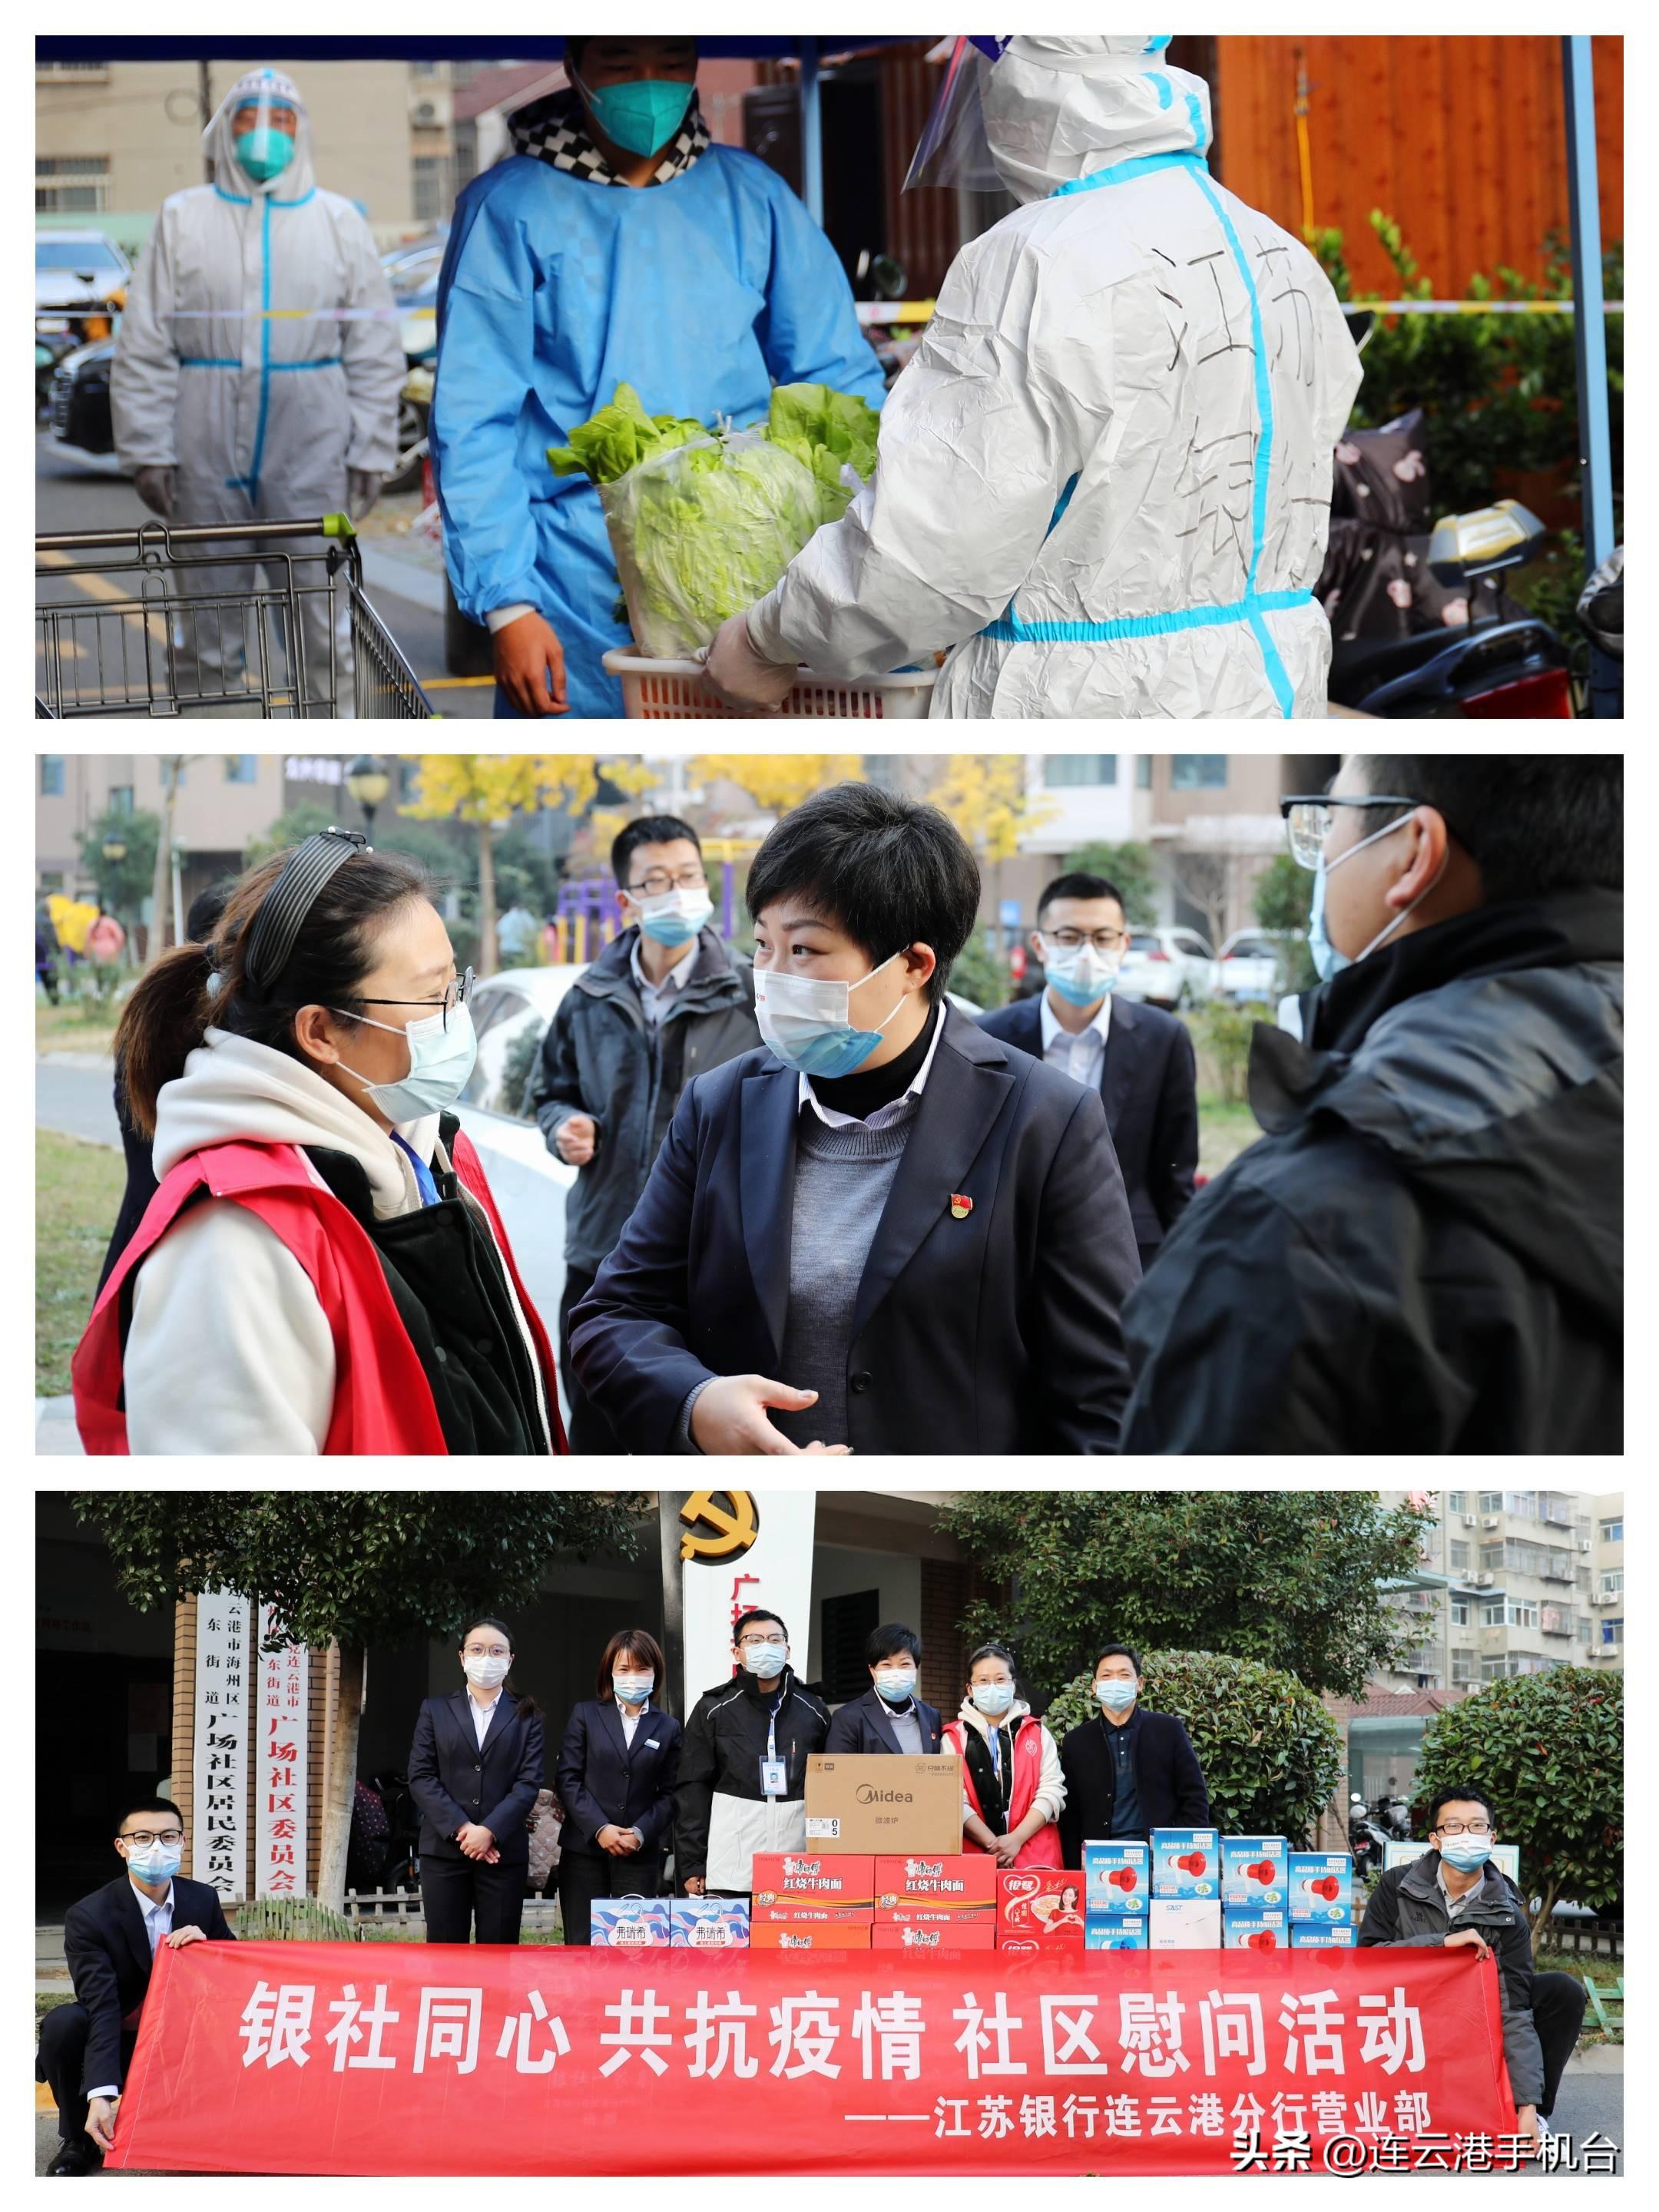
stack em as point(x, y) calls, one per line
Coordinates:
point(554, 129)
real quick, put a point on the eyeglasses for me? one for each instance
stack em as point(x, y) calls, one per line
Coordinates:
point(1308, 821)
point(660, 880)
point(487, 1651)
point(456, 995)
point(1465, 1828)
point(1103, 940)
point(757, 1643)
point(145, 1837)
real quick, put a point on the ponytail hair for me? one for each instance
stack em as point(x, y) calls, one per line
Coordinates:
point(197, 987)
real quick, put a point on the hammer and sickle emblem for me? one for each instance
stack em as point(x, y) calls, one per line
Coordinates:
point(721, 1524)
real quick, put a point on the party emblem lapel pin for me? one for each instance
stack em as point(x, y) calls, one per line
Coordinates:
point(961, 1208)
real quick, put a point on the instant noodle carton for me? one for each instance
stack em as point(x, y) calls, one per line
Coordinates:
point(1113, 1932)
point(1041, 1904)
point(934, 1937)
point(917, 1890)
point(1116, 1878)
point(810, 1935)
point(1322, 1886)
point(823, 1878)
point(1254, 1871)
point(1244, 1930)
point(631, 1923)
point(1184, 1924)
point(1310, 1936)
point(1186, 1862)
point(709, 1924)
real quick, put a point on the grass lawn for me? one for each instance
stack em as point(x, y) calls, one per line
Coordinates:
point(77, 1194)
point(1225, 1129)
point(77, 1025)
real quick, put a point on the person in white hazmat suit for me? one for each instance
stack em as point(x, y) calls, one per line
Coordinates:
point(1104, 479)
point(256, 377)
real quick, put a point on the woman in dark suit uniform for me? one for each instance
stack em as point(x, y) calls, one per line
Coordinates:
point(475, 1770)
point(616, 1775)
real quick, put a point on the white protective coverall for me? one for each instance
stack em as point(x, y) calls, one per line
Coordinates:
point(260, 412)
point(1104, 478)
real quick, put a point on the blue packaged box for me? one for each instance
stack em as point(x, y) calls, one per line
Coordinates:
point(1255, 1872)
point(1322, 1886)
point(1113, 1932)
point(709, 1924)
point(1116, 1879)
point(1242, 1929)
point(1186, 1862)
point(631, 1923)
point(1312, 1936)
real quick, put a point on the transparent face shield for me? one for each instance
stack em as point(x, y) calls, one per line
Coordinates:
point(953, 151)
point(262, 114)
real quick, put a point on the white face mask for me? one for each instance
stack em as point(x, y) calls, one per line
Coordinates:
point(807, 1021)
point(487, 1672)
point(765, 1660)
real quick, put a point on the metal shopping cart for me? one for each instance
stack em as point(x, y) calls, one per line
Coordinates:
point(274, 624)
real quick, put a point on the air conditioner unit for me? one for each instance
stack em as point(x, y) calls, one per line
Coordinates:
point(1490, 1521)
point(1483, 1582)
point(426, 112)
point(1468, 1520)
point(1584, 1544)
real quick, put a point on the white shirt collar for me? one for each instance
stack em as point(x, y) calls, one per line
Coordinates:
point(1051, 1029)
point(834, 1119)
point(675, 976)
point(148, 1904)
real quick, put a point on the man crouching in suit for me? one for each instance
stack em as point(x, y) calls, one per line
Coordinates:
point(110, 1941)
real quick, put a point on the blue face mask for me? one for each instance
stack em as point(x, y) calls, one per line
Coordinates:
point(641, 116)
point(1327, 960)
point(674, 917)
point(1466, 1853)
point(807, 1022)
point(993, 1697)
point(1117, 1696)
point(156, 1865)
point(440, 1064)
point(1078, 973)
point(897, 1684)
point(263, 154)
point(633, 1689)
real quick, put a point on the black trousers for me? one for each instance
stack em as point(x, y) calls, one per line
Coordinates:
point(1557, 2013)
point(62, 2058)
point(456, 1892)
point(588, 1431)
point(583, 1876)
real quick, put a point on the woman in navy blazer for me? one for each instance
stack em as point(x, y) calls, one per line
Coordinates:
point(616, 1775)
point(475, 1770)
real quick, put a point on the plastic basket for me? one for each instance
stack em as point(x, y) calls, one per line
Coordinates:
point(678, 691)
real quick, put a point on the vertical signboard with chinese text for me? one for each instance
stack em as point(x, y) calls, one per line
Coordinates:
point(223, 1656)
point(739, 1551)
point(280, 1746)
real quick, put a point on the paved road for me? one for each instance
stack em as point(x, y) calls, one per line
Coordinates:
point(72, 1093)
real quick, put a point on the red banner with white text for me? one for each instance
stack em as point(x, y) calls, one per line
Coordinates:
point(419, 2059)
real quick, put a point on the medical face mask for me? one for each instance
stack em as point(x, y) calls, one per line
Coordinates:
point(633, 1689)
point(897, 1684)
point(641, 116)
point(263, 154)
point(158, 1864)
point(993, 1698)
point(807, 1022)
point(674, 917)
point(1117, 1696)
point(487, 1672)
point(441, 1063)
point(1078, 973)
point(1466, 1853)
point(1327, 959)
point(765, 1660)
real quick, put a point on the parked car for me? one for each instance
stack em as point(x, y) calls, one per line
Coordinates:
point(77, 274)
point(1249, 965)
point(78, 400)
point(1168, 968)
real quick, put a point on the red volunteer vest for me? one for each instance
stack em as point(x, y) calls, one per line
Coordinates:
point(382, 1399)
point(1043, 1848)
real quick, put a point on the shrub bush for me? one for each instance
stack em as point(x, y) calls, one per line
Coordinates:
point(1221, 1038)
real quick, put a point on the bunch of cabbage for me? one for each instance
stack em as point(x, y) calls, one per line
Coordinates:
point(830, 433)
point(618, 438)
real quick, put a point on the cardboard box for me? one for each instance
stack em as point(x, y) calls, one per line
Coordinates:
point(1043, 1903)
point(807, 1916)
point(802, 1935)
point(933, 1916)
point(1184, 1924)
point(868, 1801)
point(953, 1935)
point(709, 1923)
point(1244, 1930)
point(1116, 1878)
point(631, 1923)
point(1114, 1932)
point(1186, 1862)
point(962, 1884)
point(814, 1878)
point(1310, 1936)
point(1254, 1871)
point(1322, 1886)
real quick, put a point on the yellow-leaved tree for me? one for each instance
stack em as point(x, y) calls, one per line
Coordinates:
point(489, 789)
point(987, 796)
point(777, 782)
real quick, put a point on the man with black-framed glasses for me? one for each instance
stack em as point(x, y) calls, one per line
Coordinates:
point(665, 1002)
point(1423, 1253)
point(110, 1943)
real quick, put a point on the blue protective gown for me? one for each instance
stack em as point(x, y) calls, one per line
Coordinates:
point(701, 292)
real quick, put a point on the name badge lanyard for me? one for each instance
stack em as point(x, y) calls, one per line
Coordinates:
point(774, 1774)
point(996, 1769)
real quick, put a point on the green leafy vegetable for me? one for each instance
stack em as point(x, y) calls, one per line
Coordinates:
point(827, 431)
point(618, 438)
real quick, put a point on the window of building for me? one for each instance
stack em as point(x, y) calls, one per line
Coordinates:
point(1465, 1666)
point(1491, 1612)
point(1491, 1556)
point(843, 1624)
point(175, 773)
point(51, 776)
point(1613, 1532)
point(1584, 1627)
point(1066, 771)
point(1613, 1632)
point(1492, 1501)
point(51, 879)
point(1143, 771)
point(1458, 1553)
point(241, 768)
point(1198, 772)
point(424, 69)
point(1522, 1612)
point(120, 798)
point(1612, 1582)
point(1460, 1613)
point(71, 184)
point(428, 186)
point(1457, 1501)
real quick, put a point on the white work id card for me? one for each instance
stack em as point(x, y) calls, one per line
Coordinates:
point(774, 1778)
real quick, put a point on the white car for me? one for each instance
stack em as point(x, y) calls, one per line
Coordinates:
point(76, 272)
point(1168, 968)
point(1249, 966)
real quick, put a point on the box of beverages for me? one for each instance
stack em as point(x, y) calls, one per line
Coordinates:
point(1312, 1936)
point(1254, 1871)
point(1045, 1903)
point(631, 1923)
point(1184, 1924)
point(1186, 1862)
point(1242, 1929)
point(941, 1936)
point(709, 1923)
point(960, 1886)
point(1116, 1878)
point(815, 1878)
point(1113, 1932)
point(810, 1935)
point(868, 1801)
point(1322, 1886)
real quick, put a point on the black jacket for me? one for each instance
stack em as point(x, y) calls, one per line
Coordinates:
point(1425, 1252)
point(1406, 1908)
point(865, 1724)
point(1149, 1086)
point(992, 1331)
point(106, 1949)
point(601, 1783)
point(723, 1744)
point(1168, 1780)
point(601, 1057)
point(454, 1781)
